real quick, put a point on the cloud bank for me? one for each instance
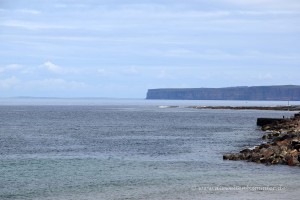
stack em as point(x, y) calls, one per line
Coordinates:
point(104, 48)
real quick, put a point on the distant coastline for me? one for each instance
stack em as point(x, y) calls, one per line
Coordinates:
point(254, 93)
point(282, 108)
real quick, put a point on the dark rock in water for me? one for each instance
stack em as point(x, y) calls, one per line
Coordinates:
point(264, 137)
point(226, 156)
point(232, 157)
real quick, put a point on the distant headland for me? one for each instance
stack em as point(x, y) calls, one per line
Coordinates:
point(255, 93)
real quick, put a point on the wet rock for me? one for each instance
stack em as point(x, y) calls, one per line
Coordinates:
point(264, 146)
point(276, 134)
point(262, 160)
point(276, 161)
point(265, 128)
point(231, 157)
point(245, 151)
point(226, 156)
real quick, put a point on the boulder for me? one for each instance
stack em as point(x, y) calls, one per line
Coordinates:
point(290, 162)
point(231, 157)
point(294, 153)
point(264, 146)
point(283, 154)
point(297, 147)
point(267, 153)
point(265, 128)
point(245, 151)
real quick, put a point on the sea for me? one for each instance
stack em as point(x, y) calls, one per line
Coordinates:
point(90, 149)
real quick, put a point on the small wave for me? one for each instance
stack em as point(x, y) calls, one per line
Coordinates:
point(168, 106)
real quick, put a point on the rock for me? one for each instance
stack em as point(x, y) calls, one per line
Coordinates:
point(284, 137)
point(275, 161)
point(264, 137)
point(295, 142)
point(295, 161)
point(267, 153)
point(226, 156)
point(282, 143)
point(231, 157)
point(265, 128)
point(276, 134)
point(255, 157)
point(276, 150)
point(283, 148)
point(290, 161)
point(262, 160)
point(283, 154)
point(245, 151)
point(297, 147)
point(294, 153)
point(265, 146)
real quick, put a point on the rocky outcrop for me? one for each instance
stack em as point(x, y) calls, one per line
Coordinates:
point(282, 145)
point(282, 93)
point(290, 108)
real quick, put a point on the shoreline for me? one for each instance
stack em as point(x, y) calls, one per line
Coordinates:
point(281, 146)
point(279, 108)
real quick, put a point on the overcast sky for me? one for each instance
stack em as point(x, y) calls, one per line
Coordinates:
point(120, 48)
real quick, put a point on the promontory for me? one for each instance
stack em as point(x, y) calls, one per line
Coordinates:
point(259, 93)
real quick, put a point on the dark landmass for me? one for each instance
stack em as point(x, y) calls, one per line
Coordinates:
point(263, 93)
point(282, 144)
point(283, 108)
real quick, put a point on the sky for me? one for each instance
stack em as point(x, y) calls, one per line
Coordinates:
point(121, 48)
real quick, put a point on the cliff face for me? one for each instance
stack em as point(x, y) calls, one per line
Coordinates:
point(274, 93)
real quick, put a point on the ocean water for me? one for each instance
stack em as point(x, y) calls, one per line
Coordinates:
point(134, 149)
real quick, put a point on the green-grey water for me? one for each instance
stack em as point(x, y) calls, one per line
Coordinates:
point(127, 151)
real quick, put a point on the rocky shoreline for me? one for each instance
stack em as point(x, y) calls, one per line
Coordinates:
point(282, 144)
point(290, 108)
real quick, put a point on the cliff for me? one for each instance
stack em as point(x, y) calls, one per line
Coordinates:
point(272, 93)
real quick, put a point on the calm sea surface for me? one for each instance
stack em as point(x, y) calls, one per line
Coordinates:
point(134, 149)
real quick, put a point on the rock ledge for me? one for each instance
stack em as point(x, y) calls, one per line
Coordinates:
point(282, 145)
